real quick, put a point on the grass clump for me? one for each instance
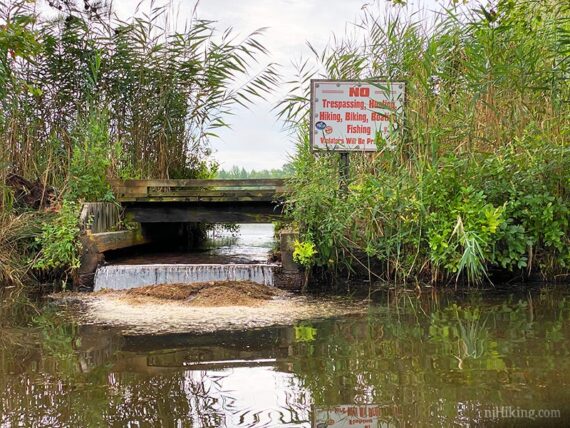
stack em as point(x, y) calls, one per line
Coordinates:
point(58, 240)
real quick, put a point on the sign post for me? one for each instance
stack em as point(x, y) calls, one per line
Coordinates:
point(354, 116)
point(344, 169)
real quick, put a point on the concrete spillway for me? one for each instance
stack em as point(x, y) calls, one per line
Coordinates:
point(122, 277)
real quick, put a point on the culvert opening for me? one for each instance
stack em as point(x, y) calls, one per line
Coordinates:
point(247, 243)
point(243, 252)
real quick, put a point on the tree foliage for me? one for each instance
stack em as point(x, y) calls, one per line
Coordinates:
point(239, 173)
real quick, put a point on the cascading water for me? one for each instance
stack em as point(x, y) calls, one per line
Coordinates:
point(122, 277)
point(225, 258)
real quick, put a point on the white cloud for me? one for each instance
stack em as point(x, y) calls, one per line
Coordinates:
point(256, 140)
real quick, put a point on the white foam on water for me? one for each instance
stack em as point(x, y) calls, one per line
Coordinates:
point(122, 277)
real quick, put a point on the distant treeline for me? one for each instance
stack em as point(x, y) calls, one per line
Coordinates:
point(236, 172)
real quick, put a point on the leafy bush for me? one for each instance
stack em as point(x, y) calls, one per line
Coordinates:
point(90, 161)
point(304, 253)
point(58, 240)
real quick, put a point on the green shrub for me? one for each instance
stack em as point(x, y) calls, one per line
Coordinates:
point(58, 242)
point(90, 161)
point(480, 177)
point(304, 253)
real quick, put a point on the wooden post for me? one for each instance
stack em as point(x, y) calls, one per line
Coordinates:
point(344, 169)
point(287, 246)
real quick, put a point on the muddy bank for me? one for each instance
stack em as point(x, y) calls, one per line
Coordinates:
point(205, 307)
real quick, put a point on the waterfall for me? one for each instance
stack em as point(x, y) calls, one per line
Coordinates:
point(121, 277)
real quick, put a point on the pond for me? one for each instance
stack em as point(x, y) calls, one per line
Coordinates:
point(495, 357)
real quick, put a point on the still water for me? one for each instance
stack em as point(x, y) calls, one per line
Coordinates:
point(498, 357)
point(251, 243)
point(434, 360)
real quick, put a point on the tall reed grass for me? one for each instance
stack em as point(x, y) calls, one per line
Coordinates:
point(165, 92)
point(85, 96)
point(479, 180)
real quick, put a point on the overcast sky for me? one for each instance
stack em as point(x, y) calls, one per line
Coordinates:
point(256, 139)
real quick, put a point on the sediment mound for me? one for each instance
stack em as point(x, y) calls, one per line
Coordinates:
point(207, 294)
point(201, 307)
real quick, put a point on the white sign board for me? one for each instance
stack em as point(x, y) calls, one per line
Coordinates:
point(351, 116)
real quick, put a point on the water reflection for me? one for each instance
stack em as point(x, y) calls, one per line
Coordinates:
point(251, 243)
point(431, 361)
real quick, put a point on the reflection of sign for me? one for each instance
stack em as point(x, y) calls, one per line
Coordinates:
point(354, 416)
point(354, 116)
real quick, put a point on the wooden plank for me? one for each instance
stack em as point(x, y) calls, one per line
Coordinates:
point(246, 213)
point(261, 182)
point(271, 199)
point(126, 192)
point(192, 191)
point(116, 240)
point(201, 190)
point(125, 189)
point(128, 184)
point(99, 216)
point(207, 197)
point(215, 193)
point(212, 199)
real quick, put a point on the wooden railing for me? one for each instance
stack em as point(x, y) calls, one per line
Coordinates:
point(252, 190)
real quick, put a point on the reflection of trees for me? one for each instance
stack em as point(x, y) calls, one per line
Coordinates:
point(428, 361)
point(80, 377)
point(41, 379)
point(165, 399)
point(439, 358)
point(68, 380)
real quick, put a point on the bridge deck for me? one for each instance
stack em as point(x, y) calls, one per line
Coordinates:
point(187, 191)
point(201, 201)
